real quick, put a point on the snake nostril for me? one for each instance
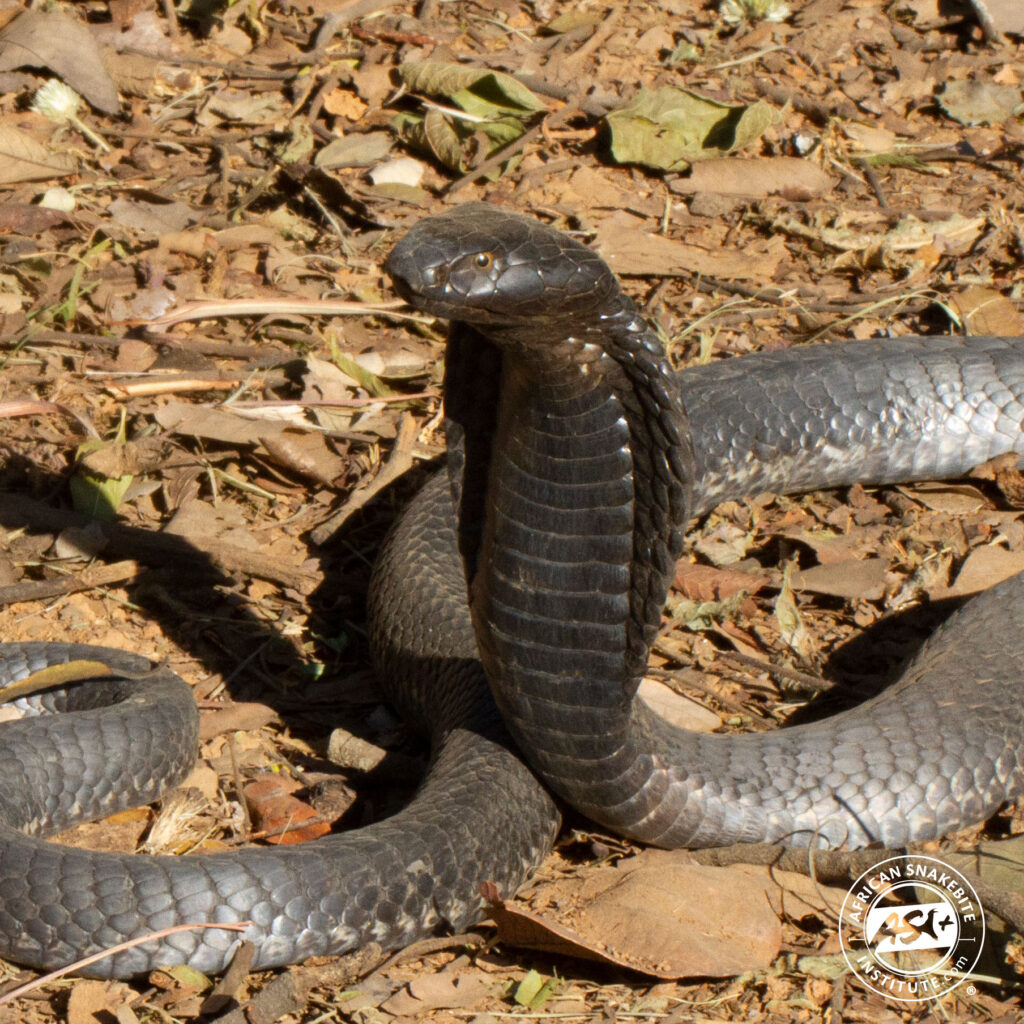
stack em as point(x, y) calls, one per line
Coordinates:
point(436, 277)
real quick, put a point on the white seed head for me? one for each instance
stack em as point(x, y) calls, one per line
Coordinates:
point(57, 101)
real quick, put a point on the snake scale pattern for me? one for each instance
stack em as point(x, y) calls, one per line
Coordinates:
point(577, 456)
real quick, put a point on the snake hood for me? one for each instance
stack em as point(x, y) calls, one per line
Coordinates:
point(486, 266)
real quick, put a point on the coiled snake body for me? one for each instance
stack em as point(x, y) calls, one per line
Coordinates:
point(574, 469)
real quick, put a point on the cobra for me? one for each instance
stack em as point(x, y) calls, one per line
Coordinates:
point(537, 570)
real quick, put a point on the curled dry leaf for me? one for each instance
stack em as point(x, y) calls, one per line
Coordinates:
point(305, 453)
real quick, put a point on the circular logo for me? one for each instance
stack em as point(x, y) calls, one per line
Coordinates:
point(912, 928)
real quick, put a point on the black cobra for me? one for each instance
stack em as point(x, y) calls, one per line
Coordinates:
point(576, 457)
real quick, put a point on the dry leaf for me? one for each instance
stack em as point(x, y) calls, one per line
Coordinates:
point(983, 568)
point(92, 1001)
point(709, 583)
point(439, 991)
point(23, 158)
point(984, 311)
point(51, 39)
point(781, 175)
point(631, 250)
point(646, 914)
point(272, 806)
point(855, 579)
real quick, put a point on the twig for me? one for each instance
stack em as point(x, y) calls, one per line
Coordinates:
point(206, 310)
point(172, 19)
point(804, 680)
point(87, 579)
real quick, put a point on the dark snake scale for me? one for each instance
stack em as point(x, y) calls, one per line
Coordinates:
point(576, 459)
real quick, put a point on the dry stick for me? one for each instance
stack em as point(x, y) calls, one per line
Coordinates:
point(263, 354)
point(87, 579)
point(575, 59)
point(157, 549)
point(593, 108)
point(172, 19)
point(397, 464)
point(207, 309)
point(801, 680)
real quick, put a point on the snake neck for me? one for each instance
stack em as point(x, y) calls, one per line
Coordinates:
point(573, 467)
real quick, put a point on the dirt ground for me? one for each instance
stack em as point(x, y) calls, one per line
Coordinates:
point(204, 433)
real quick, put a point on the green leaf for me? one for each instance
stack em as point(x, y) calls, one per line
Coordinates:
point(670, 128)
point(439, 78)
point(98, 487)
point(98, 496)
point(189, 977)
point(534, 991)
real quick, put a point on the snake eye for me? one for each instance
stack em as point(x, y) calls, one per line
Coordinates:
point(484, 260)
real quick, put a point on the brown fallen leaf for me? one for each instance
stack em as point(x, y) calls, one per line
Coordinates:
point(52, 39)
point(983, 568)
point(854, 579)
point(120, 833)
point(676, 708)
point(630, 249)
point(28, 219)
point(984, 311)
point(273, 807)
point(766, 176)
point(658, 914)
point(217, 424)
point(709, 583)
point(947, 497)
point(24, 158)
point(305, 453)
point(441, 991)
point(92, 1001)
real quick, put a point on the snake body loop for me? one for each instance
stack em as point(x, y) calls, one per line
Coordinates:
point(598, 455)
point(576, 459)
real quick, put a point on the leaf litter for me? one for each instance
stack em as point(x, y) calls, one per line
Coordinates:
point(825, 168)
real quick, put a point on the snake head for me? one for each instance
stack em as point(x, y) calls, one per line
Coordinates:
point(480, 264)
